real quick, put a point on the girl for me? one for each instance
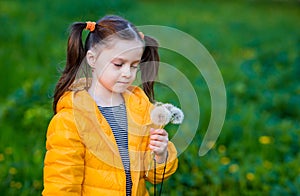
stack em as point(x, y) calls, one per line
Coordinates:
point(101, 139)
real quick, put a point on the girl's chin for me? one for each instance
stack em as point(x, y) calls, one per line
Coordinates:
point(120, 88)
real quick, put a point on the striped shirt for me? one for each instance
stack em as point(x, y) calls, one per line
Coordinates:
point(117, 119)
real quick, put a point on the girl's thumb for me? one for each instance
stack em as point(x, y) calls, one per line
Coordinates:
point(151, 130)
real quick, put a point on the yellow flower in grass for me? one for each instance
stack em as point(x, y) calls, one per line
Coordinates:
point(248, 53)
point(37, 184)
point(12, 171)
point(233, 168)
point(210, 144)
point(250, 176)
point(16, 185)
point(267, 164)
point(225, 160)
point(151, 190)
point(222, 149)
point(265, 139)
point(8, 150)
point(1, 157)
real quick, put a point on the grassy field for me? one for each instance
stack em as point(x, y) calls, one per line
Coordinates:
point(256, 45)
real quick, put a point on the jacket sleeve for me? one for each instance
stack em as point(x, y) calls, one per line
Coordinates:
point(171, 165)
point(64, 159)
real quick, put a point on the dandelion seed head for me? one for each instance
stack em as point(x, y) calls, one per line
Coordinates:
point(168, 106)
point(160, 115)
point(177, 115)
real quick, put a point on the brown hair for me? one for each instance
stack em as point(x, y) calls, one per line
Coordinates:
point(105, 27)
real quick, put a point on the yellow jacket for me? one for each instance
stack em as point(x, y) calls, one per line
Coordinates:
point(82, 156)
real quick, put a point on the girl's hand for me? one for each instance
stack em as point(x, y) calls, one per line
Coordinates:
point(159, 144)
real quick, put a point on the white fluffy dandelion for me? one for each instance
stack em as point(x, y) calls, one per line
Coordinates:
point(177, 115)
point(168, 106)
point(162, 114)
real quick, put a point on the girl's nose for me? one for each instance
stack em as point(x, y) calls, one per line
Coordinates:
point(126, 71)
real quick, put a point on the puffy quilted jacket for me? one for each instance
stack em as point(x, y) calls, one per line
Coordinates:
point(82, 156)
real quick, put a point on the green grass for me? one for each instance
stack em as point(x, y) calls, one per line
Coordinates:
point(256, 45)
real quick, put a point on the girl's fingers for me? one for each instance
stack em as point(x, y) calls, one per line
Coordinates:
point(159, 138)
point(157, 150)
point(158, 132)
point(158, 143)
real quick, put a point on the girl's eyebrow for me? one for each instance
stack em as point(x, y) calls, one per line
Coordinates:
point(124, 60)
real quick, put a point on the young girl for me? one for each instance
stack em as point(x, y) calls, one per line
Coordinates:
point(101, 140)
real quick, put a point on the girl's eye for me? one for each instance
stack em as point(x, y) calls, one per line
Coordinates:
point(135, 66)
point(118, 64)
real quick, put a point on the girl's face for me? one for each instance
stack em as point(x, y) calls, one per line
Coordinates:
point(116, 66)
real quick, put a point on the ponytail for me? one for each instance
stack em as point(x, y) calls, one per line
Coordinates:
point(75, 55)
point(149, 66)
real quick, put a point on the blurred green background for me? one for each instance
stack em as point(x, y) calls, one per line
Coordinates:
point(256, 45)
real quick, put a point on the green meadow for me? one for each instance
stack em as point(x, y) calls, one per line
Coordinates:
point(256, 45)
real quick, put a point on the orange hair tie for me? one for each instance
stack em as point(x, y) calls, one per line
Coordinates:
point(142, 35)
point(90, 26)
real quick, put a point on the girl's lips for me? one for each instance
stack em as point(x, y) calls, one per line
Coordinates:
point(123, 82)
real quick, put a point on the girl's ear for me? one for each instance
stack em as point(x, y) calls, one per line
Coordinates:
point(91, 58)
